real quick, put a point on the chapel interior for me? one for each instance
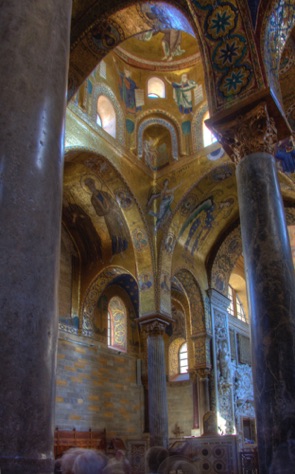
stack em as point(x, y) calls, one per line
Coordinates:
point(148, 232)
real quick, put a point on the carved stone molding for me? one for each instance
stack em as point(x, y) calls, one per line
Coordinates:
point(252, 132)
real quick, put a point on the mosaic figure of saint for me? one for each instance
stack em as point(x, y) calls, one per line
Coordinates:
point(146, 283)
point(171, 42)
point(150, 152)
point(182, 93)
point(107, 207)
point(127, 88)
point(165, 284)
point(166, 197)
point(140, 242)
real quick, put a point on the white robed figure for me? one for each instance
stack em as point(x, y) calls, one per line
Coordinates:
point(182, 93)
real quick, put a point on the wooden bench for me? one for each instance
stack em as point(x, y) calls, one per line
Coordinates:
point(91, 439)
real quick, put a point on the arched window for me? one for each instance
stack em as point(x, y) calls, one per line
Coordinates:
point(235, 307)
point(183, 359)
point(117, 325)
point(156, 88)
point(208, 137)
point(106, 115)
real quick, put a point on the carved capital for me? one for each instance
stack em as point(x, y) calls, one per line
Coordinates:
point(154, 325)
point(201, 373)
point(253, 132)
point(253, 125)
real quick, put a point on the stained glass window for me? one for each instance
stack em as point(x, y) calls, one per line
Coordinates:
point(117, 324)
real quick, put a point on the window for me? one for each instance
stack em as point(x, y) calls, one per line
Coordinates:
point(156, 88)
point(106, 115)
point(183, 359)
point(117, 325)
point(235, 307)
point(208, 137)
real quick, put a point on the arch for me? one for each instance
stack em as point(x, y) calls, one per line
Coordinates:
point(94, 291)
point(199, 327)
point(228, 254)
point(192, 289)
point(276, 26)
point(222, 67)
point(101, 167)
point(225, 260)
point(164, 123)
point(104, 90)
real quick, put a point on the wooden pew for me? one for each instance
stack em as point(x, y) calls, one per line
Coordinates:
point(91, 439)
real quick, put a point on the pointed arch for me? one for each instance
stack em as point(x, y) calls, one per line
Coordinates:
point(200, 327)
point(225, 260)
point(196, 301)
point(89, 162)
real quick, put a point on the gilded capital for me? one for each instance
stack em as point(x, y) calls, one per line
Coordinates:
point(253, 132)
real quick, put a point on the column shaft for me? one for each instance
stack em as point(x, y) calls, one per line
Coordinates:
point(271, 294)
point(204, 406)
point(158, 413)
point(34, 62)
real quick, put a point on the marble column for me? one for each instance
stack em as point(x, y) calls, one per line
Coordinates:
point(157, 391)
point(34, 62)
point(270, 284)
point(271, 293)
point(204, 399)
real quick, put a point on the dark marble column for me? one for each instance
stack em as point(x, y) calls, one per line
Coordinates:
point(271, 293)
point(158, 412)
point(249, 139)
point(34, 62)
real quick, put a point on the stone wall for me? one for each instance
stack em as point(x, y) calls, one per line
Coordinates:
point(180, 407)
point(97, 388)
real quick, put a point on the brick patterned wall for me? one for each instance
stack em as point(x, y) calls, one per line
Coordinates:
point(96, 387)
point(180, 407)
point(65, 276)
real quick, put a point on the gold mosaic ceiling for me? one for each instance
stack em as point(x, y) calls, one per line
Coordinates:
point(109, 188)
